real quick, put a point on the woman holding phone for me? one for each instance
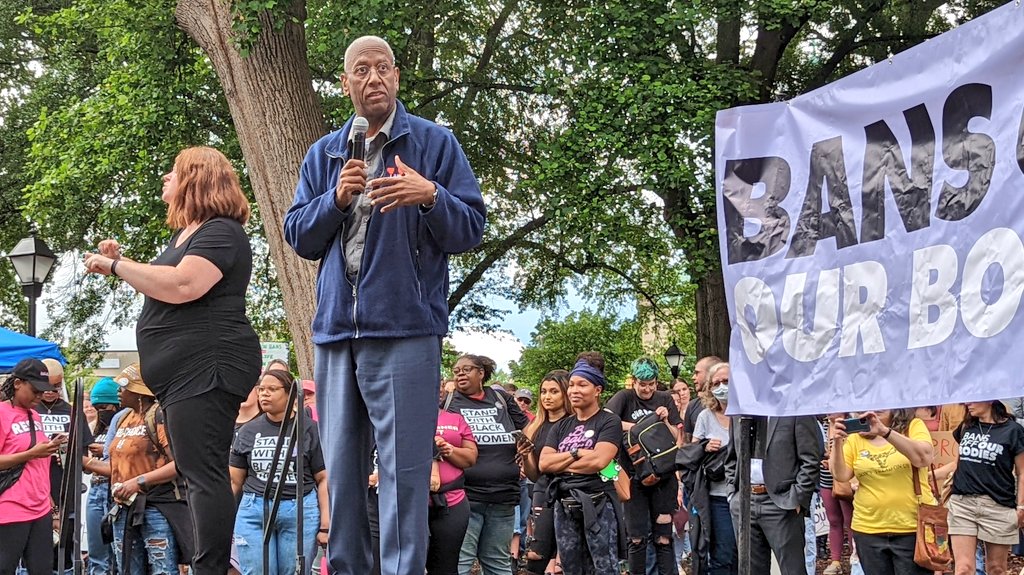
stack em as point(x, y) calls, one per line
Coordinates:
point(882, 453)
point(27, 518)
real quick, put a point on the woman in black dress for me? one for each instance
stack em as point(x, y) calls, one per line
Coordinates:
point(199, 354)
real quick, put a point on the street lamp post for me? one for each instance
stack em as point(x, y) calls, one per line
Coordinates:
point(674, 359)
point(32, 260)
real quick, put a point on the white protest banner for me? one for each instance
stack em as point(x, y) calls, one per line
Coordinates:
point(870, 231)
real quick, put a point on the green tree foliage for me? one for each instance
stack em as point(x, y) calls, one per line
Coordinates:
point(589, 125)
point(554, 344)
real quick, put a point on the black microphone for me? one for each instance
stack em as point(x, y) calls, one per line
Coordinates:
point(359, 128)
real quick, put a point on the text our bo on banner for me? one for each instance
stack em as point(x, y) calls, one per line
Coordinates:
point(870, 231)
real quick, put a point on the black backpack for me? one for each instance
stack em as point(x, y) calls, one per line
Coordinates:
point(652, 449)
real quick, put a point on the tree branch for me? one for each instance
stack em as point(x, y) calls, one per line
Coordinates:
point(491, 40)
point(500, 249)
point(475, 85)
point(848, 42)
point(590, 264)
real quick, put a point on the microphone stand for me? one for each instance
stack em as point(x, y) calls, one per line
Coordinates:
point(272, 493)
point(70, 505)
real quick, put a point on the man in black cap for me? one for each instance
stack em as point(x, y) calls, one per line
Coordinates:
point(56, 415)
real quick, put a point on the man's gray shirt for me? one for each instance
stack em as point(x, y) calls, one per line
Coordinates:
point(353, 235)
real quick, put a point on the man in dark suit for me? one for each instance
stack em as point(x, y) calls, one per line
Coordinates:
point(784, 475)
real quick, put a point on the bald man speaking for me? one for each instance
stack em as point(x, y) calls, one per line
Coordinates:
point(383, 228)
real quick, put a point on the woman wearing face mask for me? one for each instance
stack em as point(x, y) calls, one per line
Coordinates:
point(713, 425)
point(104, 397)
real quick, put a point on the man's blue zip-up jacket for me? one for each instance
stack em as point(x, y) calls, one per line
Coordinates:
point(402, 287)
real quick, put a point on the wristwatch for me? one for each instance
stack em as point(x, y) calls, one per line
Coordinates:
point(575, 453)
point(141, 480)
point(433, 200)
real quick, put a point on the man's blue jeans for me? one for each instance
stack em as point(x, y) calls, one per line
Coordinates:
point(154, 545)
point(249, 534)
point(487, 539)
point(101, 555)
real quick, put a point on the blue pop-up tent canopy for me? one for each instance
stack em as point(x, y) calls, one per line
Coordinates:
point(15, 347)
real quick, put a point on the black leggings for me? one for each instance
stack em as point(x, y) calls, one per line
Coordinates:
point(200, 430)
point(447, 530)
point(30, 542)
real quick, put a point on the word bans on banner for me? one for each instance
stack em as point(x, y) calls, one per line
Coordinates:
point(754, 189)
point(871, 231)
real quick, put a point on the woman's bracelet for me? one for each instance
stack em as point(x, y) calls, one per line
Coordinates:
point(113, 267)
point(887, 434)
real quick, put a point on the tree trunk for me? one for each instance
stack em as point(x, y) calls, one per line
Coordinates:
point(277, 116)
point(713, 326)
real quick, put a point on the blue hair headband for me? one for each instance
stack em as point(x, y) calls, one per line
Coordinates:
point(588, 372)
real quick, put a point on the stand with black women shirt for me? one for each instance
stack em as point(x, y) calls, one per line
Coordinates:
point(272, 493)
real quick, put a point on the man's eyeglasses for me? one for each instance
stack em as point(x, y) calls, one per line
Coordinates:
point(463, 370)
point(383, 69)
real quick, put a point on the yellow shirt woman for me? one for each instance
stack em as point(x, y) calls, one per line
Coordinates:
point(885, 501)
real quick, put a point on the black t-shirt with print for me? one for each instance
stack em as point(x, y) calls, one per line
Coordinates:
point(571, 433)
point(987, 453)
point(253, 450)
point(191, 348)
point(56, 419)
point(495, 477)
point(630, 408)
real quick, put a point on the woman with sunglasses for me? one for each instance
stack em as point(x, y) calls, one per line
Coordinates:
point(27, 522)
point(252, 455)
point(885, 505)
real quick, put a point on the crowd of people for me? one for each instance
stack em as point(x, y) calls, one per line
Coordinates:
point(183, 443)
point(517, 487)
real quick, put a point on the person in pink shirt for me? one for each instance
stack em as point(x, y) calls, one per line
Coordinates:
point(449, 508)
point(27, 521)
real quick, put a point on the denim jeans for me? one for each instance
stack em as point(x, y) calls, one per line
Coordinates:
point(891, 553)
point(249, 534)
point(723, 539)
point(154, 552)
point(101, 555)
point(487, 539)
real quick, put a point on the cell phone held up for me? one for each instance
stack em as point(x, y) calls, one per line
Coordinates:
point(856, 425)
point(521, 438)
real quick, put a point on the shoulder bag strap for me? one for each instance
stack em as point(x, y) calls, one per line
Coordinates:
point(31, 428)
point(917, 483)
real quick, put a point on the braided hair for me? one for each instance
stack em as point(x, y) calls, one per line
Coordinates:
point(7, 388)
